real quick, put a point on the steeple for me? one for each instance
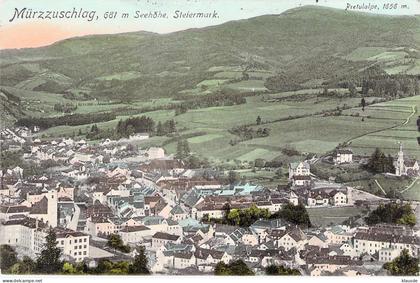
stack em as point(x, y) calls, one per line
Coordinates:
point(399, 168)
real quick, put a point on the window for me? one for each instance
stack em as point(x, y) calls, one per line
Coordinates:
point(75, 247)
point(85, 246)
point(84, 240)
point(62, 242)
point(84, 253)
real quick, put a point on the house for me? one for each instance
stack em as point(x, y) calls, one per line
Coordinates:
point(299, 169)
point(384, 237)
point(300, 181)
point(338, 235)
point(135, 234)
point(330, 264)
point(155, 153)
point(177, 213)
point(338, 198)
point(160, 239)
point(343, 156)
point(211, 256)
point(100, 226)
point(293, 237)
point(318, 240)
point(73, 244)
point(318, 198)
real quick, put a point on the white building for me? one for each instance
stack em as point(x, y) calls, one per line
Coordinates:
point(405, 167)
point(299, 169)
point(343, 156)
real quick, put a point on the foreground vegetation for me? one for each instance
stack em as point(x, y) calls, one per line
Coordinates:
point(49, 262)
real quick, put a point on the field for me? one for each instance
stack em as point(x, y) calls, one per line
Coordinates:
point(331, 215)
point(294, 123)
point(401, 116)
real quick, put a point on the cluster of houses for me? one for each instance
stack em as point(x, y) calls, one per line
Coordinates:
point(148, 198)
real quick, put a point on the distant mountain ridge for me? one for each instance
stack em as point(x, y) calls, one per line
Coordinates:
point(305, 45)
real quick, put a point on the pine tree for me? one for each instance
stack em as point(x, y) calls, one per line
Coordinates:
point(49, 260)
point(258, 120)
point(139, 265)
point(186, 148)
point(171, 126)
point(179, 150)
point(159, 129)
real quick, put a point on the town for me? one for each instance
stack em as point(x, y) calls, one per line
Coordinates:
point(114, 208)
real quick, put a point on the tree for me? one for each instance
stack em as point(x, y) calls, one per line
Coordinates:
point(68, 268)
point(115, 241)
point(237, 267)
point(352, 89)
point(26, 266)
point(280, 270)
point(159, 129)
point(226, 210)
point(380, 163)
point(403, 265)
point(139, 265)
point(172, 126)
point(233, 177)
point(258, 120)
point(259, 162)
point(418, 123)
point(233, 217)
point(182, 149)
point(49, 260)
point(296, 214)
point(393, 213)
point(8, 257)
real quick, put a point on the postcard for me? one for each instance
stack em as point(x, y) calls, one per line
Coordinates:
point(204, 139)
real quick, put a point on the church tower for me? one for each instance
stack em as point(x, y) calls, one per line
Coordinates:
point(52, 207)
point(399, 165)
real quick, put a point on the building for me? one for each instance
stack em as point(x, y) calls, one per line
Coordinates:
point(160, 239)
point(73, 244)
point(301, 181)
point(343, 156)
point(135, 234)
point(299, 169)
point(383, 239)
point(405, 167)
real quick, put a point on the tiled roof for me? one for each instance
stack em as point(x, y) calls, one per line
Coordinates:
point(165, 236)
point(134, 228)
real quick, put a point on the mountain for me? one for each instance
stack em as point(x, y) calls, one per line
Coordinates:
point(306, 45)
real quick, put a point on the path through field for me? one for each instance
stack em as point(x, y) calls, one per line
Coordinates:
point(411, 185)
point(413, 111)
point(379, 185)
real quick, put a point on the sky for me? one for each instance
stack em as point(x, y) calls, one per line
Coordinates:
point(22, 33)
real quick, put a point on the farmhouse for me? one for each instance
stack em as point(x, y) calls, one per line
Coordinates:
point(343, 156)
